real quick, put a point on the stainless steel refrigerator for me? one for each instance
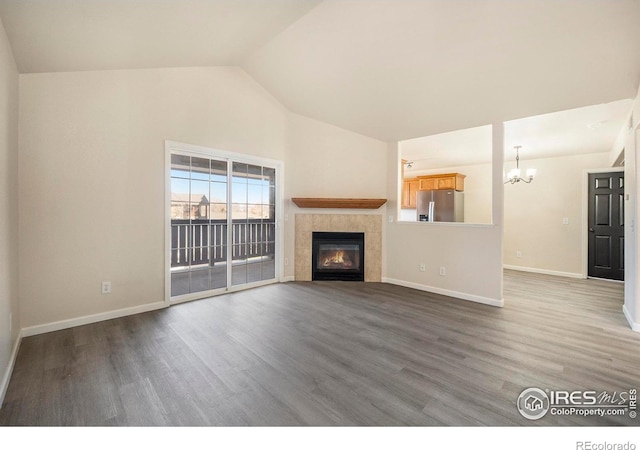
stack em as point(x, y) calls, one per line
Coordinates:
point(444, 205)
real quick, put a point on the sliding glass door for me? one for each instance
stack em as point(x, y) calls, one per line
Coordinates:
point(223, 223)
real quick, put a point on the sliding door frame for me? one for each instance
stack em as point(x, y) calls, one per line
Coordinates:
point(206, 152)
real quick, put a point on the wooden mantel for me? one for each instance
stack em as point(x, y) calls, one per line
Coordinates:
point(347, 203)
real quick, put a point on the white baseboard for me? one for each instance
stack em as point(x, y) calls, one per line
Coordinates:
point(447, 292)
point(544, 271)
point(634, 325)
point(287, 279)
point(7, 373)
point(84, 320)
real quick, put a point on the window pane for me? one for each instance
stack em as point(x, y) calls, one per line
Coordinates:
point(180, 186)
point(180, 166)
point(180, 257)
point(270, 231)
point(254, 272)
point(219, 171)
point(179, 210)
point(218, 192)
point(180, 234)
point(239, 274)
point(239, 193)
point(179, 283)
point(268, 250)
point(239, 254)
point(218, 255)
point(179, 198)
point(254, 193)
point(270, 176)
point(254, 212)
point(218, 233)
point(218, 211)
point(199, 169)
point(271, 216)
point(268, 195)
point(268, 270)
point(254, 174)
point(200, 237)
point(239, 172)
point(238, 211)
point(200, 280)
point(218, 276)
point(272, 196)
point(199, 199)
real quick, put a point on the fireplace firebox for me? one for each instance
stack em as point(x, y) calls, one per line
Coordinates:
point(337, 256)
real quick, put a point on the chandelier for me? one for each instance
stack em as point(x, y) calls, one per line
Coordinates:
point(514, 177)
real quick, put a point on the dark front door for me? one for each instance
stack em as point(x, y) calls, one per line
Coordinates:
point(606, 225)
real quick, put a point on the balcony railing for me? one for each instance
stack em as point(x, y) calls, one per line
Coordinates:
point(199, 242)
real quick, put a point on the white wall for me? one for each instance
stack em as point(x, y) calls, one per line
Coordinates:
point(326, 161)
point(9, 306)
point(533, 215)
point(92, 176)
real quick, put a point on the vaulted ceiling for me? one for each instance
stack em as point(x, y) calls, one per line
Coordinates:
point(389, 69)
point(71, 35)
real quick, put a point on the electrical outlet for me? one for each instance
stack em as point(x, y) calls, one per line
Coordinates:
point(286, 261)
point(518, 254)
point(106, 287)
point(390, 219)
point(565, 221)
point(443, 271)
point(422, 267)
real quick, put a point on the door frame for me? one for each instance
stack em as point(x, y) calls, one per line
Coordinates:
point(171, 146)
point(585, 217)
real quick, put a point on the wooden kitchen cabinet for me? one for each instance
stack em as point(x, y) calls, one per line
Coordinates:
point(442, 181)
point(410, 187)
point(428, 184)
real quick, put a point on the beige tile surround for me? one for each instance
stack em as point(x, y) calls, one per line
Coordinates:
point(370, 224)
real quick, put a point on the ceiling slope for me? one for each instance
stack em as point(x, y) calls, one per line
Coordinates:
point(396, 70)
point(389, 69)
point(73, 35)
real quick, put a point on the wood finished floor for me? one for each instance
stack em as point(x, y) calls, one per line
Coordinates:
point(332, 353)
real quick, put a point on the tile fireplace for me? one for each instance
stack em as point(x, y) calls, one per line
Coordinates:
point(368, 224)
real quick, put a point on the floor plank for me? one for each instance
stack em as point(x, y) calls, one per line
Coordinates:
point(332, 354)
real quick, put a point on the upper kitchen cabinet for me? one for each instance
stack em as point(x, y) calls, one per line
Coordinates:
point(410, 187)
point(441, 181)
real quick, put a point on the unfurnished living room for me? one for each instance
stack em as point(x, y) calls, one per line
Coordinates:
point(316, 213)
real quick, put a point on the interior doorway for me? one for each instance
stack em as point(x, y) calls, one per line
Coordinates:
point(606, 225)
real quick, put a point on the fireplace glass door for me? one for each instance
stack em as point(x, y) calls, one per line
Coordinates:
point(338, 256)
